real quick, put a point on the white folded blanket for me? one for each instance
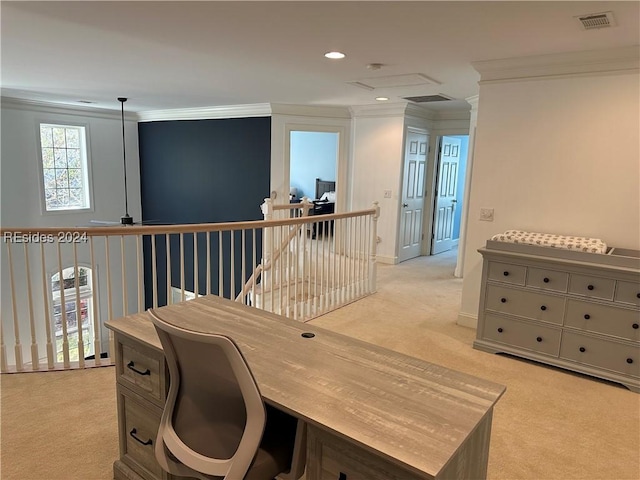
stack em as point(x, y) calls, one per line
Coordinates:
point(582, 244)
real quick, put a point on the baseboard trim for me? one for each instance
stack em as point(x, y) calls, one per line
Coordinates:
point(466, 320)
point(386, 259)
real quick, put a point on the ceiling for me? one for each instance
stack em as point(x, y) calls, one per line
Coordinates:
point(170, 55)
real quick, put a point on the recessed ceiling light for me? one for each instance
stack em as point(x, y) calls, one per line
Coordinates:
point(382, 99)
point(334, 55)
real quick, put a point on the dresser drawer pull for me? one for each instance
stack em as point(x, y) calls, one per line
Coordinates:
point(638, 295)
point(590, 287)
point(629, 360)
point(635, 326)
point(342, 476)
point(582, 349)
point(587, 316)
point(131, 366)
point(538, 339)
point(500, 330)
point(135, 437)
point(503, 300)
point(545, 279)
point(543, 307)
point(506, 274)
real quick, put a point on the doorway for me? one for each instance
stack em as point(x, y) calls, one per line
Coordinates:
point(312, 155)
point(448, 195)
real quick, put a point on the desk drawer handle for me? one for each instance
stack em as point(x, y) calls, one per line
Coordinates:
point(131, 366)
point(587, 316)
point(590, 287)
point(543, 307)
point(629, 360)
point(582, 349)
point(545, 279)
point(135, 437)
point(500, 330)
point(342, 476)
point(503, 300)
point(538, 339)
point(635, 326)
point(506, 274)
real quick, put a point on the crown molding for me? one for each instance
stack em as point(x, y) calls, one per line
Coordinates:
point(310, 110)
point(560, 64)
point(207, 113)
point(379, 110)
point(64, 109)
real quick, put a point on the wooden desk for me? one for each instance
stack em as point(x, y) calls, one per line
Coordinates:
point(371, 413)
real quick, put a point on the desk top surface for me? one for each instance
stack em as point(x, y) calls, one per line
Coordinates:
point(414, 413)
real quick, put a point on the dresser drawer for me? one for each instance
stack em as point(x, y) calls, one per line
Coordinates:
point(140, 422)
point(536, 306)
point(538, 338)
point(602, 353)
point(547, 279)
point(505, 272)
point(593, 287)
point(628, 292)
point(141, 369)
point(609, 320)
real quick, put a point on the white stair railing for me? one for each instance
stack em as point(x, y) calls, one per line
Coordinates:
point(59, 285)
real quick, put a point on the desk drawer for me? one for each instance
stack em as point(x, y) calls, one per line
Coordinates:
point(592, 287)
point(331, 458)
point(532, 336)
point(536, 306)
point(507, 273)
point(602, 353)
point(140, 421)
point(141, 369)
point(594, 317)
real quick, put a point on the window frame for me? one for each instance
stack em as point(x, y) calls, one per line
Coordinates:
point(88, 174)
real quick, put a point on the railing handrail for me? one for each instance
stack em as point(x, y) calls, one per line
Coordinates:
point(181, 228)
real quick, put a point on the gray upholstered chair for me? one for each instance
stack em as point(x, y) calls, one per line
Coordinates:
point(214, 423)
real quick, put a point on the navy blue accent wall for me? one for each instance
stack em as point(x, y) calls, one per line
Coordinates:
point(202, 171)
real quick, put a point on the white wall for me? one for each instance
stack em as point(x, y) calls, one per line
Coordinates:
point(557, 155)
point(376, 167)
point(21, 206)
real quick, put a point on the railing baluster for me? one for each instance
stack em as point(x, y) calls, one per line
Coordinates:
point(154, 270)
point(253, 262)
point(4, 364)
point(123, 265)
point(139, 274)
point(195, 265)
point(97, 347)
point(14, 308)
point(167, 269)
point(182, 267)
point(35, 358)
point(76, 285)
point(243, 266)
point(47, 312)
point(232, 263)
point(208, 263)
point(63, 310)
point(220, 266)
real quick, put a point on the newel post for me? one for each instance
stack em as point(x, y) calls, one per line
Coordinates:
point(373, 267)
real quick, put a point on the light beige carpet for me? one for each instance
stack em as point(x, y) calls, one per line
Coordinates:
point(550, 424)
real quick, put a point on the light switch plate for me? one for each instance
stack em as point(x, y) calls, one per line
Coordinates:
point(387, 194)
point(486, 214)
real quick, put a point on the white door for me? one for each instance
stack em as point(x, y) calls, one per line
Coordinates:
point(412, 207)
point(446, 191)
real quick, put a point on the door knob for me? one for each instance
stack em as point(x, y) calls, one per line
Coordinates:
point(454, 201)
point(405, 205)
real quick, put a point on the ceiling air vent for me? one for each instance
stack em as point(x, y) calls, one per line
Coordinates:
point(428, 98)
point(597, 20)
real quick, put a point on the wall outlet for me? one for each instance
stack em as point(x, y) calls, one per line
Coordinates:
point(486, 214)
point(387, 194)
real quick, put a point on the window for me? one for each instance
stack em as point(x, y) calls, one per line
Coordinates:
point(76, 330)
point(65, 172)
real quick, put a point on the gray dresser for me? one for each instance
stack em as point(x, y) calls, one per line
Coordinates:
point(575, 310)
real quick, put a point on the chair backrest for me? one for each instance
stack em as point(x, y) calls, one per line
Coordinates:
point(214, 416)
